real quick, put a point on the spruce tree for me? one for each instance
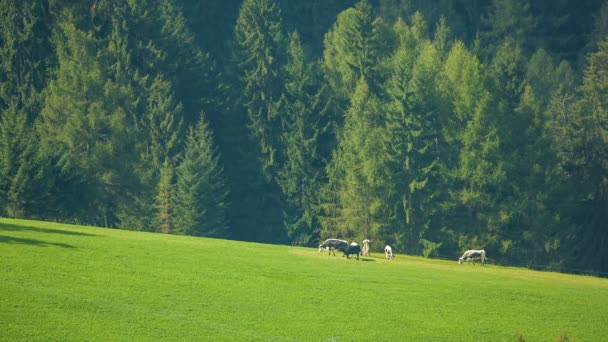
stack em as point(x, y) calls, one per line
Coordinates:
point(352, 203)
point(83, 125)
point(163, 201)
point(413, 144)
point(353, 47)
point(300, 177)
point(201, 193)
point(507, 19)
point(24, 181)
point(261, 57)
point(24, 54)
point(583, 150)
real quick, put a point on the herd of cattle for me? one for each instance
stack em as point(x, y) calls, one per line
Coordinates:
point(349, 249)
point(353, 248)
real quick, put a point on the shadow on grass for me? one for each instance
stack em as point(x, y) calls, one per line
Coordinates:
point(17, 228)
point(367, 259)
point(10, 239)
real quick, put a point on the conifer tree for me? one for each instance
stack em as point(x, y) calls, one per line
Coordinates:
point(24, 52)
point(83, 125)
point(300, 178)
point(510, 19)
point(201, 193)
point(353, 201)
point(583, 150)
point(353, 48)
point(261, 57)
point(24, 181)
point(163, 201)
point(413, 143)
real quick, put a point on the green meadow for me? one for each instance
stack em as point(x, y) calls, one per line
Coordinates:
point(64, 282)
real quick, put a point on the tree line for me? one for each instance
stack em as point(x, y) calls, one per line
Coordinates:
point(432, 126)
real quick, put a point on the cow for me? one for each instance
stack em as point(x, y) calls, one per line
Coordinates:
point(353, 248)
point(366, 247)
point(388, 251)
point(332, 244)
point(473, 254)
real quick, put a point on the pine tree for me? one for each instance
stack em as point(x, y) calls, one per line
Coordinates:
point(83, 126)
point(164, 122)
point(23, 173)
point(262, 56)
point(24, 51)
point(413, 142)
point(352, 202)
point(583, 146)
point(163, 201)
point(353, 47)
point(300, 178)
point(201, 193)
point(510, 19)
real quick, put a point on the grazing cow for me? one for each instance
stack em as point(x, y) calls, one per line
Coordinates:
point(353, 248)
point(332, 244)
point(366, 247)
point(473, 254)
point(388, 251)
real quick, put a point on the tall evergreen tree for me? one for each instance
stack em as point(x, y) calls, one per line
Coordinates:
point(353, 48)
point(201, 193)
point(24, 52)
point(510, 19)
point(83, 125)
point(353, 201)
point(301, 176)
point(583, 151)
point(164, 217)
point(413, 143)
point(259, 33)
point(261, 57)
point(24, 178)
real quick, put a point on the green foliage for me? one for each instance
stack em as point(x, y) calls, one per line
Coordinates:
point(581, 141)
point(507, 19)
point(163, 123)
point(356, 173)
point(353, 47)
point(200, 199)
point(163, 201)
point(262, 55)
point(300, 177)
point(84, 121)
point(23, 172)
point(430, 125)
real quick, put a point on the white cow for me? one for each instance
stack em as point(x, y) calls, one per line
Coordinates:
point(472, 254)
point(388, 251)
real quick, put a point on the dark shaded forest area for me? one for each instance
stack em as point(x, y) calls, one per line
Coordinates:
point(434, 126)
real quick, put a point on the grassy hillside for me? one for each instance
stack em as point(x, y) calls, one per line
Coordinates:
point(63, 282)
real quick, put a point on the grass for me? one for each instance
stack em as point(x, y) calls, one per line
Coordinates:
point(62, 282)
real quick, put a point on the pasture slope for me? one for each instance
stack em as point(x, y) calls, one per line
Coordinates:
point(63, 282)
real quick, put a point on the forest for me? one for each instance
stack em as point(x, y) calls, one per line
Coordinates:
point(433, 126)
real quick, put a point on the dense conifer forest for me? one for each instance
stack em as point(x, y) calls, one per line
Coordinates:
point(434, 126)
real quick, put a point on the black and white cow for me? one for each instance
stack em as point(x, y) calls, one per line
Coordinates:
point(473, 254)
point(353, 248)
point(332, 244)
